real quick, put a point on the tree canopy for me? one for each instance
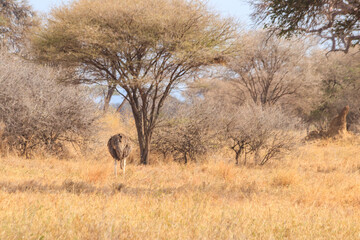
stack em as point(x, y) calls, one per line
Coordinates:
point(268, 69)
point(144, 48)
point(336, 21)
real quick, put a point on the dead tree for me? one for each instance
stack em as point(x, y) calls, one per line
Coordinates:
point(119, 147)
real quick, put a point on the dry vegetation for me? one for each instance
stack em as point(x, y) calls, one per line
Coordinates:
point(312, 193)
point(40, 115)
point(216, 115)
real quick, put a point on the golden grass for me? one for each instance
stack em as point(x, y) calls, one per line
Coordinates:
point(314, 193)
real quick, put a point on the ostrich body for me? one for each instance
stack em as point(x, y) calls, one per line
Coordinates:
point(119, 148)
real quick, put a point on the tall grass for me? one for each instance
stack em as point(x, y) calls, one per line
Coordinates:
point(313, 193)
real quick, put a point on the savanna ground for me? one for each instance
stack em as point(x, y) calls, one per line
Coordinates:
point(312, 193)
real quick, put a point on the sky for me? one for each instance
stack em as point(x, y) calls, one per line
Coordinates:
point(239, 9)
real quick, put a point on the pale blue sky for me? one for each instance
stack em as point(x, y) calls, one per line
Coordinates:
point(236, 8)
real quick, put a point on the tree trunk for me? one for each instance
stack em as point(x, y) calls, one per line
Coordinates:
point(107, 99)
point(144, 134)
point(237, 155)
point(118, 110)
point(185, 158)
point(257, 157)
point(238, 151)
point(145, 150)
point(245, 157)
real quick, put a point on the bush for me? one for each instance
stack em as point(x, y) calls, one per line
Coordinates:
point(186, 134)
point(339, 76)
point(262, 131)
point(39, 113)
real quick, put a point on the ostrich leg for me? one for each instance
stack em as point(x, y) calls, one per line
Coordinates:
point(124, 166)
point(115, 164)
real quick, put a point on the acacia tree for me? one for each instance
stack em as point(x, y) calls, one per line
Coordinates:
point(337, 21)
point(143, 47)
point(268, 68)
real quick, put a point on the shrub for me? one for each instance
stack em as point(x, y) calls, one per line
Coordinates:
point(339, 77)
point(39, 113)
point(263, 131)
point(186, 134)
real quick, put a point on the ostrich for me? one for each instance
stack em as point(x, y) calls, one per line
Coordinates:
point(119, 148)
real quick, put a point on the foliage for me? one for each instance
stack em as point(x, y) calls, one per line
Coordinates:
point(207, 123)
point(337, 21)
point(144, 48)
point(16, 18)
point(339, 75)
point(39, 113)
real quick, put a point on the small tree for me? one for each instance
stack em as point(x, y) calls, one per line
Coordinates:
point(337, 21)
point(146, 48)
point(267, 68)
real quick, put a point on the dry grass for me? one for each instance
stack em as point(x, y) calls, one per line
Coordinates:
point(314, 193)
point(284, 178)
